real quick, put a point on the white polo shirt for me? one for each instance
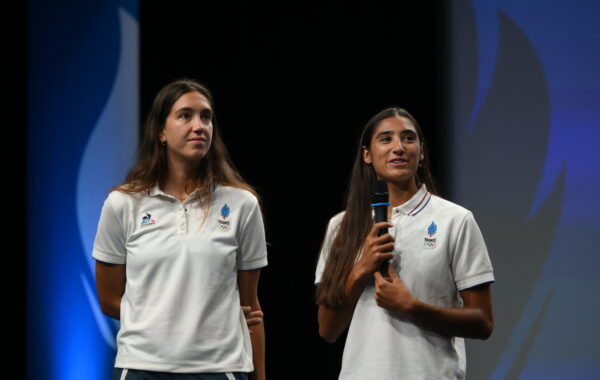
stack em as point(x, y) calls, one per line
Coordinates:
point(439, 251)
point(181, 308)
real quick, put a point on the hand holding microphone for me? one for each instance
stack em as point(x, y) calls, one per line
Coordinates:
point(380, 203)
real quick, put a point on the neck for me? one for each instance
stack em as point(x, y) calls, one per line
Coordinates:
point(180, 179)
point(401, 192)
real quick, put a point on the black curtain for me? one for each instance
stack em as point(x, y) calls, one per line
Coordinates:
point(294, 84)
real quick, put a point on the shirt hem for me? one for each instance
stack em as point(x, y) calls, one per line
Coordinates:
point(474, 281)
point(107, 258)
point(258, 265)
point(178, 368)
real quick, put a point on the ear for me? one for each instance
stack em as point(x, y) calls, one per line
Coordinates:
point(161, 136)
point(366, 155)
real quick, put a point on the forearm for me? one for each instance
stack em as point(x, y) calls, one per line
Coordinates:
point(257, 337)
point(248, 288)
point(333, 322)
point(110, 285)
point(466, 322)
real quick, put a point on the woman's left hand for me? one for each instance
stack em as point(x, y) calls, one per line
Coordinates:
point(252, 317)
point(392, 294)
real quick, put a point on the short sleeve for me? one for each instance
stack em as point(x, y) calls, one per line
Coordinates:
point(252, 252)
point(326, 246)
point(471, 263)
point(109, 245)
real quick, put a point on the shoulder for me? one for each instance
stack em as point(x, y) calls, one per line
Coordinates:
point(448, 208)
point(334, 223)
point(337, 218)
point(235, 194)
point(237, 201)
point(122, 201)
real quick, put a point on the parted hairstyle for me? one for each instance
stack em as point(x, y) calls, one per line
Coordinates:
point(357, 220)
point(151, 164)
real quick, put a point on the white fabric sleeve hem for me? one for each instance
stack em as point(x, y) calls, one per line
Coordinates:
point(474, 281)
point(108, 258)
point(252, 245)
point(258, 265)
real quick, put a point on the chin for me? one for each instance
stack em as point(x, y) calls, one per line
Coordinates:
point(196, 157)
point(399, 179)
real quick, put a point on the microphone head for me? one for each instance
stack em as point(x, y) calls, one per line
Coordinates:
point(379, 192)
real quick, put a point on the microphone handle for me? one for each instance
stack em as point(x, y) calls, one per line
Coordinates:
point(381, 216)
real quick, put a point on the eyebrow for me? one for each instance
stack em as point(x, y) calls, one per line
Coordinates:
point(190, 109)
point(384, 133)
point(404, 132)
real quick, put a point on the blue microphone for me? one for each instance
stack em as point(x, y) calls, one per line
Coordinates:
point(380, 203)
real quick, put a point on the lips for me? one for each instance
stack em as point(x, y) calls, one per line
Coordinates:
point(398, 161)
point(198, 139)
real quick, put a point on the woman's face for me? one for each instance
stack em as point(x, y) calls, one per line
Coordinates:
point(188, 128)
point(395, 150)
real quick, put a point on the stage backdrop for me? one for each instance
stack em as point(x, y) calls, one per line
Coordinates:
point(82, 135)
point(525, 113)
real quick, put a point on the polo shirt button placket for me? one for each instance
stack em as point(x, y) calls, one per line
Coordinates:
point(181, 217)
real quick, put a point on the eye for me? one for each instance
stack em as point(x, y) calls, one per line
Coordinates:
point(385, 138)
point(184, 115)
point(206, 116)
point(408, 138)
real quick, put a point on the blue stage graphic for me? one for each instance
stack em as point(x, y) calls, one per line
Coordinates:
point(82, 136)
point(526, 118)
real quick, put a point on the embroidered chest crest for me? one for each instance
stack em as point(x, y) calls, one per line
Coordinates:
point(430, 241)
point(223, 222)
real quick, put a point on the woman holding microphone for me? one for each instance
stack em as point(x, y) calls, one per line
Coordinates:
point(411, 323)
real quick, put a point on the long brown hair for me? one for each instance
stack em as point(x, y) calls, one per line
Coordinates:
point(357, 221)
point(151, 164)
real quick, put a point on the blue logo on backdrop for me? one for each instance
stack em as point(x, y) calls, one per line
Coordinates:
point(82, 83)
point(116, 128)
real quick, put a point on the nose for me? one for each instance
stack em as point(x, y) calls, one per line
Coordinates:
point(197, 124)
point(398, 146)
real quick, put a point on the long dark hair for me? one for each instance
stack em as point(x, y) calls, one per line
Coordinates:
point(151, 165)
point(357, 221)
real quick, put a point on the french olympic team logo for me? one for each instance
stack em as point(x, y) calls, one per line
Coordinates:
point(224, 220)
point(431, 242)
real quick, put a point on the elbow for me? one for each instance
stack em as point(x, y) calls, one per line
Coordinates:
point(328, 335)
point(106, 310)
point(331, 324)
point(110, 309)
point(485, 330)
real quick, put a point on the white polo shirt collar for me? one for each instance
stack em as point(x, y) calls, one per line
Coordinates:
point(157, 191)
point(415, 204)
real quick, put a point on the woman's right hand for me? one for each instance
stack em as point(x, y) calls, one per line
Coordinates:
point(374, 251)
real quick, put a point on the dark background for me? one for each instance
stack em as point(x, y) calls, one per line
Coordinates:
point(14, 109)
point(294, 84)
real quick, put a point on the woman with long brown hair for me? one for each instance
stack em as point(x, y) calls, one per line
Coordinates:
point(409, 324)
point(179, 248)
